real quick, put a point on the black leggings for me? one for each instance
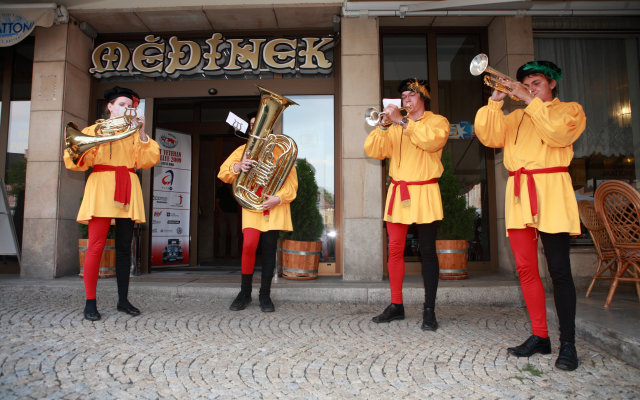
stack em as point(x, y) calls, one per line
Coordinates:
point(430, 267)
point(124, 234)
point(556, 251)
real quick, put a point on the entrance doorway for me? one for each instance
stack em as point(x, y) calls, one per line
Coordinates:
point(215, 222)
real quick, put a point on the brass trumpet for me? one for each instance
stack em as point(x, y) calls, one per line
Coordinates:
point(480, 64)
point(373, 117)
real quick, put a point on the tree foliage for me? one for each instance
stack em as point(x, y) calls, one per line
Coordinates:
point(458, 217)
point(305, 216)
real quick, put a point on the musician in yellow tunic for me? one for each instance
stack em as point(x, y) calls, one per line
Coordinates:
point(113, 191)
point(540, 201)
point(414, 146)
point(256, 226)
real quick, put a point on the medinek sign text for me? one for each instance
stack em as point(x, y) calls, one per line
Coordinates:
point(217, 56)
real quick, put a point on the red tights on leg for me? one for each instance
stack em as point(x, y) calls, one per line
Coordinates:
point(250, 240)
point(98, 230)
point(397, 239)
point(524, 244)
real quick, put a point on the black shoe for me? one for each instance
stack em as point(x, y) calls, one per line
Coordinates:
point(429, 322)
point(535, 344)
point(126, 307)
point(391, 313)
point(241, 302)
point(568, 357)
point(91, 310)
point(91, 315)
point(266, 305)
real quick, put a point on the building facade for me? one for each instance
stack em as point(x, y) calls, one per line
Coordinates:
point(193, 64)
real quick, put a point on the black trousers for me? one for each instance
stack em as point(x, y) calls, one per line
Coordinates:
point(556, 251)
point(268, 247)
point(124, 234)
point(430, 267)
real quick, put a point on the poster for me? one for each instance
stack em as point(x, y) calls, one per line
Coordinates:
point(171, 200)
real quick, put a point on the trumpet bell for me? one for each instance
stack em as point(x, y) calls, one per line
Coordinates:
point(479, 64)
point(372, 116)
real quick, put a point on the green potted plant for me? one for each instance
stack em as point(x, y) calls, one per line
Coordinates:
point(302, 247)
point(456, 229)
point(107, 267)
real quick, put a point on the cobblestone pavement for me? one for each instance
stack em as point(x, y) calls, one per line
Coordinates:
point(188, 347)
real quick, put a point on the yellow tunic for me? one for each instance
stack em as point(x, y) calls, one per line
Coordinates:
point(414, 155)
point(100, 187)
point(279, 216)
point(539, 136)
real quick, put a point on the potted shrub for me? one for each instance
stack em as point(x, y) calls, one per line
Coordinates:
point(107, 267)
point(456, 229)
point(302, 247)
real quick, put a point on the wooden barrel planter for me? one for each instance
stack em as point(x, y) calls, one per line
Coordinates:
point(452, 258)
point(300, 259)
point(107, 268)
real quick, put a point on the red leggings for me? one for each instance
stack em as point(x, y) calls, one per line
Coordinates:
point(397, 239)
point(98, 230)
point(250, 240)
point(524, 244)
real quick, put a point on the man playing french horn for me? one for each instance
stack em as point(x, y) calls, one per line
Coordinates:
point(413, 143)
point(540, 201)
point(112, 191)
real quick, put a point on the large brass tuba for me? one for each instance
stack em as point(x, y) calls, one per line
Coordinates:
point(107, 130)
point(274, 154)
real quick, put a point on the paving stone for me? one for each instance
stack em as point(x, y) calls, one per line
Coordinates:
point(183, 348)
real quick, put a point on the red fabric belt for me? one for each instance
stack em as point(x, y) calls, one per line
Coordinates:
point(404, 191)
point(122, 195)
point(531, 185)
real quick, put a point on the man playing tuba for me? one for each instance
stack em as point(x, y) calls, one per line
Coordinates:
point(264, 224)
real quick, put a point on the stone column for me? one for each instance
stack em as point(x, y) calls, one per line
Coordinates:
point(510, 46)
point(362, 256)
point(60, 93)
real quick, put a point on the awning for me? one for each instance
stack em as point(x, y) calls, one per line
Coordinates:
point(17, 21)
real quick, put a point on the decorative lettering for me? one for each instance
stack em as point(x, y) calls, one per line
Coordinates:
point(247, 56)
point(106, 55)
point(213, 56)
point(280, 54)
point(314, 52)
point(149, 57)
point(193, 55)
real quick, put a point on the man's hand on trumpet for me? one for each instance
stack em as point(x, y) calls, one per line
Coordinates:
point(391, 114)
point(516, 88)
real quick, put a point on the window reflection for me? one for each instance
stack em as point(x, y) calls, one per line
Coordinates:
point(311, 126)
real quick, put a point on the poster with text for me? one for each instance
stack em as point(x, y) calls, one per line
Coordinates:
point(171, 200)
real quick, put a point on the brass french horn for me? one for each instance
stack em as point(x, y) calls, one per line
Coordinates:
point(107, 130)
point(274, 154)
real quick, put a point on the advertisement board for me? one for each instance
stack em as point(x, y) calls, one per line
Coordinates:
point(171, 200)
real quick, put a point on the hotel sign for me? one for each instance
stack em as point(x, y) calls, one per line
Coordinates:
point(213, 56)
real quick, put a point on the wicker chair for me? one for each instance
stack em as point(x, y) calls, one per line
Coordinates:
point(618, 205)
point(606, 253)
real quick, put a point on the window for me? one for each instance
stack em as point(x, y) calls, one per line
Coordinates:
point(311, 126)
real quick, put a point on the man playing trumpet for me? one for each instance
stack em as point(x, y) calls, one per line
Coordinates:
point(540, 201)
point(414, 146)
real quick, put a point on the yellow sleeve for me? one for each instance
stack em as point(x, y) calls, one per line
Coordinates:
point(430, 134)
point(226, 173)
point(147, 154)
point(558, 125)
point(379, 144)
point(289, 189)
point(491, 125)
